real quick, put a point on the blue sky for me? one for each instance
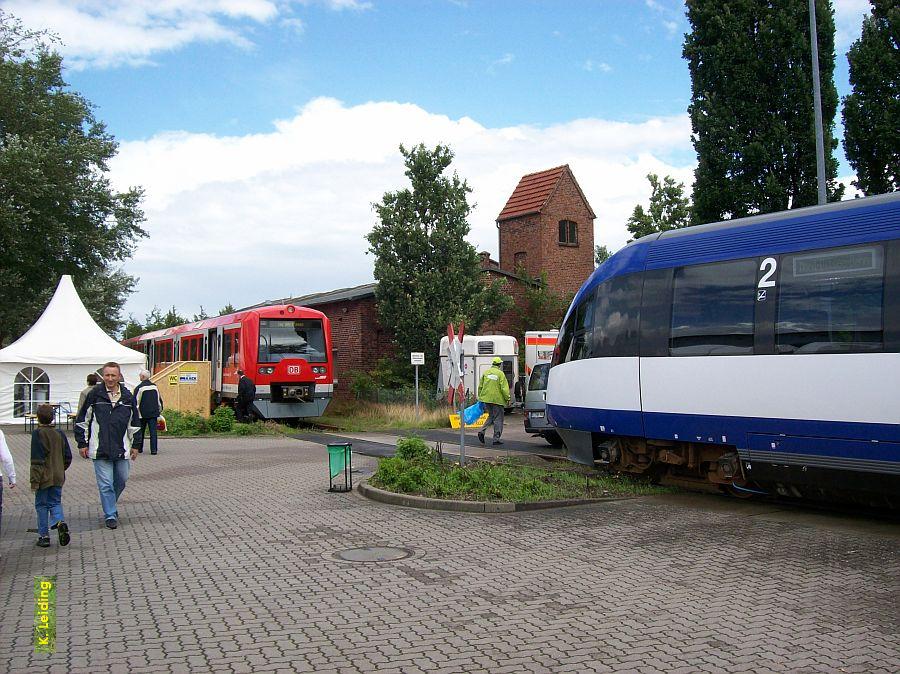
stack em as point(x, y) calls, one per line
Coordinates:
point(263, 130)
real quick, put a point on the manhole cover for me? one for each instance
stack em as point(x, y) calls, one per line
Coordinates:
point(374, 554)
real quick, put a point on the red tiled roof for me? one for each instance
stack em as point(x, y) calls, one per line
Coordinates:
point(532, 193)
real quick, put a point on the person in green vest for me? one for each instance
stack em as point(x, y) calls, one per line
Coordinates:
point(493, 393)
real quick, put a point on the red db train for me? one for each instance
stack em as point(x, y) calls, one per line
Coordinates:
point(285, 349)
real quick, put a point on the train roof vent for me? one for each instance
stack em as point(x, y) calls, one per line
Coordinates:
point(485, 347)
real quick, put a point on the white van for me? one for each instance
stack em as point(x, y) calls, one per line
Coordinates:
point(478, 353)
point(539, 345)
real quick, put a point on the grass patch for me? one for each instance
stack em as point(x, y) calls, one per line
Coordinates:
point(420, 472)
point(361, 415)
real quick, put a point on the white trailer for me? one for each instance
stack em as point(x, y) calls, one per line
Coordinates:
point(478, 353)
point(539, 345)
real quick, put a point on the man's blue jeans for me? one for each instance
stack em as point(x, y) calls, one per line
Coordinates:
point(48, 502)
point(111, 479)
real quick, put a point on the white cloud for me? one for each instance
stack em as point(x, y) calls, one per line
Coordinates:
point(99, 33)
point(504, 60)
point(244, 218)
point(595, 66)
point(848, 16)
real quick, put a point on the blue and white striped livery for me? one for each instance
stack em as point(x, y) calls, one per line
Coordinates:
point(754, 353)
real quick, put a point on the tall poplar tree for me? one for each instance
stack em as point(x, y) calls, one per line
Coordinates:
point(428, 274)
point(58, 211)
point(752, 105)
point(872, 111)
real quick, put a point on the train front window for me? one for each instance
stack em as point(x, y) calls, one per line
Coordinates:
point(280, 339)
point(831, 301)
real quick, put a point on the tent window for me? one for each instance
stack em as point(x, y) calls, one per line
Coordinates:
point(31, 388)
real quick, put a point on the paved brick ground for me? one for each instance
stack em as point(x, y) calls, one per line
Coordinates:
point(223, 561)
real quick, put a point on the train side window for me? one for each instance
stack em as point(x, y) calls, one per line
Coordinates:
point(226, 350)
point(713, 309)
point(583, 329)
point(564, 342)
point(616, 317)
point(831, 301)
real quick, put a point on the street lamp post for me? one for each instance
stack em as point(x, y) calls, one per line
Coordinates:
point(817, 102)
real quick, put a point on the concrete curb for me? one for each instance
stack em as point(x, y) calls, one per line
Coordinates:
point(410, 501)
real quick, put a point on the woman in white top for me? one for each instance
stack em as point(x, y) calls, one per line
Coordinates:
point(9, 470)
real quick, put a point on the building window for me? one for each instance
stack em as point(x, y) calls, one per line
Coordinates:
point(519, 260)
point(568, 233)
point(31, 388)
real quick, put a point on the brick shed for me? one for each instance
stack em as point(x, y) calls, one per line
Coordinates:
point(546, 225)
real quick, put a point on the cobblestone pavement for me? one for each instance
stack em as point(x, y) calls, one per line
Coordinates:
point(224, 561)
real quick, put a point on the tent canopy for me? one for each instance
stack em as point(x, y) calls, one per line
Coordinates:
point(50, 362)
point(66, 334)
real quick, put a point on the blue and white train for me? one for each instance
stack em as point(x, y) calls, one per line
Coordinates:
point(759, 355)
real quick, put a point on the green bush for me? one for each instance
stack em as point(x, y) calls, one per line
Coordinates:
point(244, 429)
point(222, 420)
point(362, 385)
point(504, 481)
point(413, 448)
point(185, 423)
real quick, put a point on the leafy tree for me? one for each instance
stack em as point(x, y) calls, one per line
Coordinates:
point(227, 309)
point(428, 274)
point(542, 308)
point(58, 212)
point(202, 316)
point(872, 111)
point(668, 209)
point(601, 254)
point(752, 105)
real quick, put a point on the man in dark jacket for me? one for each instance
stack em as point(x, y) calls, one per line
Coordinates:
point(245, 397)
point(149, 405)
point(104, 428)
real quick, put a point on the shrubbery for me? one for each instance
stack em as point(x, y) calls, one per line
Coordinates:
point(222, 420)
point(415, 469)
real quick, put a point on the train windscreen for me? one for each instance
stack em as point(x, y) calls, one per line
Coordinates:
point(280, 339)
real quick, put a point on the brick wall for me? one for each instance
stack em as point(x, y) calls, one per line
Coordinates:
point(357, 335)
point(537, 236)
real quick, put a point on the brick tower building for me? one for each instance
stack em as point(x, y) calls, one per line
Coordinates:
point(548, 225)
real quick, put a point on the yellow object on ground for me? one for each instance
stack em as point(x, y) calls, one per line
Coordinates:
point(454, 421)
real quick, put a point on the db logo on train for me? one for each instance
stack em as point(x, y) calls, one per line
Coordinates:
point(293, 369)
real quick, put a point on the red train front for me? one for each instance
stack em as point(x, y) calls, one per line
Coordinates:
point(285, 349)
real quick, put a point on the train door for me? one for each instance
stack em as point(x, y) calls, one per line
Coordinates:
point(214, 341)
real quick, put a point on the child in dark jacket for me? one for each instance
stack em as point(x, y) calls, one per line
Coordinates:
point(50, 457)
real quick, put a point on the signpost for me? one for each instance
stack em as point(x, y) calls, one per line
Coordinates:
point(456, 388)
point(417, 358)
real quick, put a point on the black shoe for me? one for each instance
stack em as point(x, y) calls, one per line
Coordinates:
point(43, 542)
point(153, 453)
point(140, 451)
point(63, 530)
point(498, 442)
point(112, 523)
point(481, 437)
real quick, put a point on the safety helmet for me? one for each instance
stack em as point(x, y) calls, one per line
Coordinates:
point(497, 360)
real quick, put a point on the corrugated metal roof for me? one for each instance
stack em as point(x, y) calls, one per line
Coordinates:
point(532, 192)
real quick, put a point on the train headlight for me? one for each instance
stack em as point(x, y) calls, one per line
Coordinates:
point(318, 370)
point(267, 370)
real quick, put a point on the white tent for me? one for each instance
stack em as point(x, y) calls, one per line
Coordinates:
point(51, 361)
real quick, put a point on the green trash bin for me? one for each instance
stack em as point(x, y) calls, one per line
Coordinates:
point(340, 461)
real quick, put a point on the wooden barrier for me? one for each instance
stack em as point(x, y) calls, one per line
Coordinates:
point(185, 386)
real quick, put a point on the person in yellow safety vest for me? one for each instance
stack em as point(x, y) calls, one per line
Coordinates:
point(493, 393)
